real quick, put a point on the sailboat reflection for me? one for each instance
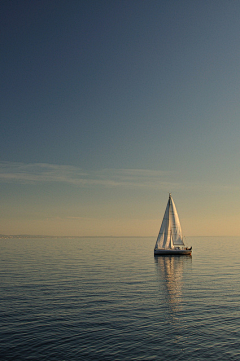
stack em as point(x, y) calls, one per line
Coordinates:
point(171, 272)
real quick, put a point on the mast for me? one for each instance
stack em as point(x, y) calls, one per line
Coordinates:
point(170, 223)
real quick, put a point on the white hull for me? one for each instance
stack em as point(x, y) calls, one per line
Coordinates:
point(172, 252)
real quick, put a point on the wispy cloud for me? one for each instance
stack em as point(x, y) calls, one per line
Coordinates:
point(35, 173)
point(42, 172)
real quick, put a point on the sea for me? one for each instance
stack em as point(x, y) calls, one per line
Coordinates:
point(111, 299)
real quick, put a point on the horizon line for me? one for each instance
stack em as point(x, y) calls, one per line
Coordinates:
point(93, 236)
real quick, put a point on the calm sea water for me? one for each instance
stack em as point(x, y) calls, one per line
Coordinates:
point(110, 299)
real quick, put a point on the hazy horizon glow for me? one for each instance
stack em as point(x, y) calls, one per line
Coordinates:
point(108, 106)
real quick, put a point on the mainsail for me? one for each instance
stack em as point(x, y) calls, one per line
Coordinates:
point(170, 233)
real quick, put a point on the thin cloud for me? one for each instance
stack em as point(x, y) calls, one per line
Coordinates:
point(35, 173)
point(43, 173)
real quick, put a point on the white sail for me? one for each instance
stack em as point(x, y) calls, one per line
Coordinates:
point(176, 230)
point(170, 233)
point(164, 235)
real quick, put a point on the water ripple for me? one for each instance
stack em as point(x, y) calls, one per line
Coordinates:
point(60, 300)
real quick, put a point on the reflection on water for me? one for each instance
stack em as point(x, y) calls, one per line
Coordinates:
point(110, 299)
point(170, 270)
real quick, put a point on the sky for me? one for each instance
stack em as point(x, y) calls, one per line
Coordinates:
point(106, 106)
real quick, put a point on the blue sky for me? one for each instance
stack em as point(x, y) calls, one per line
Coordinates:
point(106, 106)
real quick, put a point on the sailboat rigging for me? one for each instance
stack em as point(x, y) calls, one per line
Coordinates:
point(170, 238)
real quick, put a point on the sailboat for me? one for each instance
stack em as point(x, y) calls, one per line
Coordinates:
point(170, 239)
